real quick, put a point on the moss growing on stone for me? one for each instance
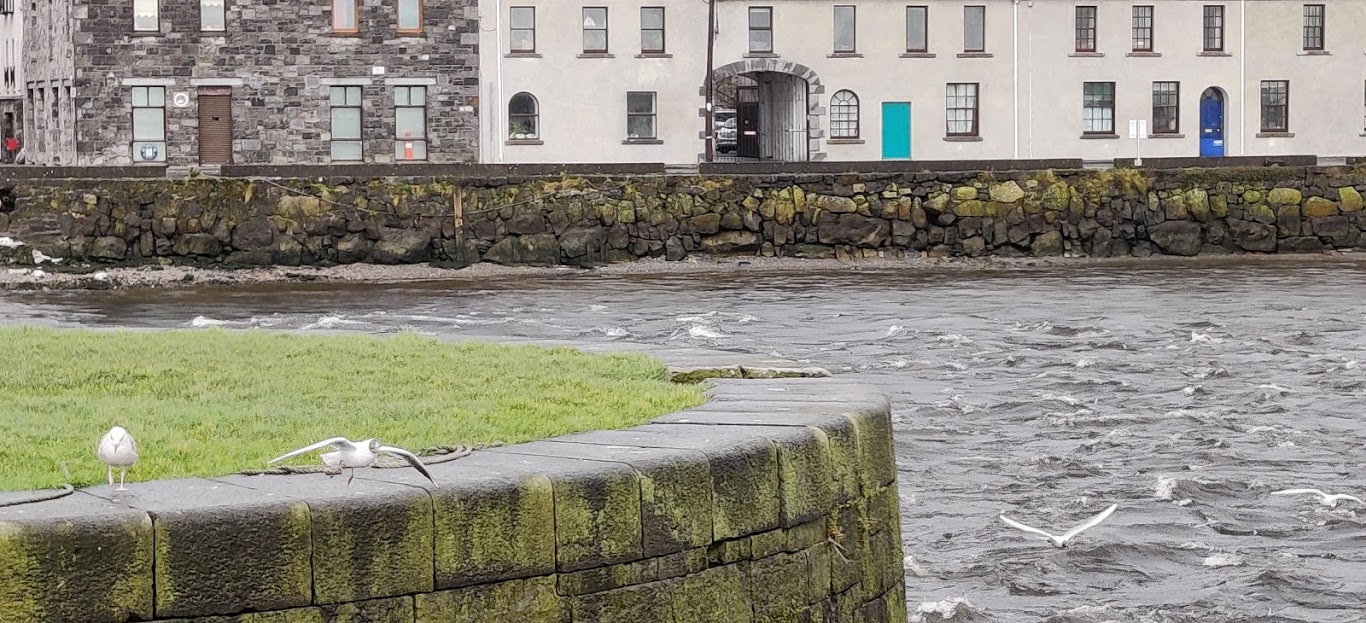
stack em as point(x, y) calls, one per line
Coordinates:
point(507, 531)
point(597, 519)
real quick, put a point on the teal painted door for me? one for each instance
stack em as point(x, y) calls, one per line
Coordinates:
point(896, 130)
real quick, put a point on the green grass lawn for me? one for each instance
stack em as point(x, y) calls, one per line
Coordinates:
point(212, 402)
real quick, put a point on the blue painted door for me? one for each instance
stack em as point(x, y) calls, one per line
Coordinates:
point(896, 130)
point(1211, 126)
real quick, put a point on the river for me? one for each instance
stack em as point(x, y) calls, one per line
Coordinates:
point(1183, 393)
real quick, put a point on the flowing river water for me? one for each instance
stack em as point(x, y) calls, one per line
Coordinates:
point(1183, 393)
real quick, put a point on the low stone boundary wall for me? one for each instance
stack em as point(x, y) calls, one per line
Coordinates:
point(774, 501)
point(590, 221)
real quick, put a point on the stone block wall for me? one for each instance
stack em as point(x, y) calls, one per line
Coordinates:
point(774, 502)
point(586, 221)
point(278, 60)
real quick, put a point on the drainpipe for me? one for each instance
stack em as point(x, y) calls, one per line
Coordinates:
point(1015, 71)
point(710, 131)
point(1242, 77)
point(498, 106)
point(1029, 76)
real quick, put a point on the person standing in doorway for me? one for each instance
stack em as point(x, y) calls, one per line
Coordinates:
point(11, 148)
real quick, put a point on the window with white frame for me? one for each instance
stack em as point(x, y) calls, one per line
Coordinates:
point(844, 115)
point(149, 123)
point(346, 123)
point(410, 123)
point(146, 16)
point(212, 16)
point(1098, 108)
point(641, 116)
point(961, 109)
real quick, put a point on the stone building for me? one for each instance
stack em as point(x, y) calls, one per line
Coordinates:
point(11, 73)
point(209, 82)
point(858, 80)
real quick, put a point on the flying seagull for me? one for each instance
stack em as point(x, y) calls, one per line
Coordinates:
point(1326, 499)
point(117, 449)
point(353, 454)
point(1061, 541)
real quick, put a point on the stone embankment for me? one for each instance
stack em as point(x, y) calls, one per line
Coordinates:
point(590, 221)
point(775, 501)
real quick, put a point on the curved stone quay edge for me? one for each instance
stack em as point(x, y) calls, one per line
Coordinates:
point(775, 500)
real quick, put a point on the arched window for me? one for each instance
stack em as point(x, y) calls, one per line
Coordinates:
point(844, 115)
point(523, 117)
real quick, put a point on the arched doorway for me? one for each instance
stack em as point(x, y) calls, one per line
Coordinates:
point(766, 109)
point(1212, 108)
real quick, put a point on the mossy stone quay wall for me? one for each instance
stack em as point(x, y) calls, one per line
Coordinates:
point(775, 501)
point(589, 221)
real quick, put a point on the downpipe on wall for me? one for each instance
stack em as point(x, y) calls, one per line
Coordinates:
point(498, 83)
point(1242, 77)
point(1015, 71)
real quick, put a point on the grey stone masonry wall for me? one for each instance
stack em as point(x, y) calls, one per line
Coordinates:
point(48, 71)
point(278, 59)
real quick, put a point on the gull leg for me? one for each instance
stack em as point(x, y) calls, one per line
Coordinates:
point(353, 477)
point(111, 475)
point(123, 473)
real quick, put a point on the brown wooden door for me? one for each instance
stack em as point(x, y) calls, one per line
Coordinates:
point(215, 125)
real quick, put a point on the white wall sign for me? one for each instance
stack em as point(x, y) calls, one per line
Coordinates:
point(181, 99)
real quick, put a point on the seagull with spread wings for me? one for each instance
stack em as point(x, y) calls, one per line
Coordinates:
point(349, 454)
point(1327, 499)
point(1061, 541)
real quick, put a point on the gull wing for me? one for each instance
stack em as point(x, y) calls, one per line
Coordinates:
point(1344, 496)
point(409, 457)
point(1090, 523)
point(1019, 526)
point(1299, 492)
point(340, 443)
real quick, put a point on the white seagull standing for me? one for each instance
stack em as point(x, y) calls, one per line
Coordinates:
point(1327, 499)
point(118, 449)
point(353, 454)
point(1061, 541)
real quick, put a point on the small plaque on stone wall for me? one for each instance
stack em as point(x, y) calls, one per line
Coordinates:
point(181, 99)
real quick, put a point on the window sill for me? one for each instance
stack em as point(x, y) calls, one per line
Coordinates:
point(522, 55)
point(1144, 55)
point(597, 55)
point(1214, 54)
point(654, 55)
point(976, 55)
point(844, 141)
point(962, 139)
point(1275, 135)
point(1313, 53)
point(411, 34)
point(524, 141)
point(642, 141)
point(918, 55)
point(1163, 135)
point(760, 55)
point(1087, 54)
point(1099, 137)
point(844, 55)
